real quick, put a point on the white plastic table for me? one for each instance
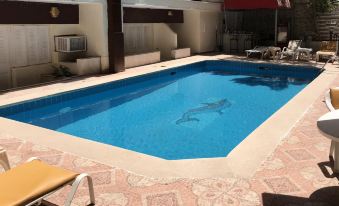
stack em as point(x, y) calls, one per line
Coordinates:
point(328, 124)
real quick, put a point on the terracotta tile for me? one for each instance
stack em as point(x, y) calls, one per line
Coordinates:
point(163, 199)
point(300, 154)
point(281, 185)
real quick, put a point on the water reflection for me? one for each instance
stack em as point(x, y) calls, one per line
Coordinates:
point(274, 83)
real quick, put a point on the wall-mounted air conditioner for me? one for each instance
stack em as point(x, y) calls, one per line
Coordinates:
point(70, 43)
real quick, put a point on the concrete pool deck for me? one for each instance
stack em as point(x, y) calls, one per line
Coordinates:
point(262, 141)
point(291, 165)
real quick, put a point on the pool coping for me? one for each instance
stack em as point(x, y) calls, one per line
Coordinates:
point(240, 162)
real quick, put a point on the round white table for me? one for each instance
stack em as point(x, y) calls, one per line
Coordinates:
point(328, 124)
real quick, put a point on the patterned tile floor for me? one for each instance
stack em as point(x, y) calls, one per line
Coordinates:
point(298, 173)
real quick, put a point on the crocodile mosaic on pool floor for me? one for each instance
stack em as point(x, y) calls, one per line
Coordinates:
point(297, 173)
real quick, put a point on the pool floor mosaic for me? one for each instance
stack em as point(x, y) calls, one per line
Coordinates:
point(298, 173)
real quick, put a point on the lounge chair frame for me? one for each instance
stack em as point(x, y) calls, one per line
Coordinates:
point(262, 50)
point(286, 51)
point(74, 184)
point(4, 159)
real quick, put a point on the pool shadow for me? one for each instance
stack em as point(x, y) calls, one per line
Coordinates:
point(274, 83)
point(327, 196)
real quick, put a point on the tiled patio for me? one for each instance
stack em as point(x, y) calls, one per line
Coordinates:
point(297, 173)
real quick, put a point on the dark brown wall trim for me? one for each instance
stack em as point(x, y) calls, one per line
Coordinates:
point(115, 37)
point(18, 12)
point(136, 15)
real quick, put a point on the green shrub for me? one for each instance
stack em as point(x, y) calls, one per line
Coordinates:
point(322, 6)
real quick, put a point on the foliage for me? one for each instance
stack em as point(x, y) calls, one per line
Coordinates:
point(61, 71)
point(322, 6)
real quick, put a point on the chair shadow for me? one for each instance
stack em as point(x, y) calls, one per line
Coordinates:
point(324, 169)
point(327, 196)
point(46, 203)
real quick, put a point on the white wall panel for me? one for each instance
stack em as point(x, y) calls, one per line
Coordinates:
point(4, 57)
point(139, 38)
point(29, 45)
point(4, 49)
point(18, 48)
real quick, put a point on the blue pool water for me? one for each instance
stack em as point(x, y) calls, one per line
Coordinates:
point(201, 110)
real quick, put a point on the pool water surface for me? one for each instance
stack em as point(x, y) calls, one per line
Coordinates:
point(198, 111)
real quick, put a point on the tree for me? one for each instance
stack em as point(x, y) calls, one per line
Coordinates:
point(322, 6)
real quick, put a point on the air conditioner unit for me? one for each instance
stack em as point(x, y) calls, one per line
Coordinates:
point(71, 43)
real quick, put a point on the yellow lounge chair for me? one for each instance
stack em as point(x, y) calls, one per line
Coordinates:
point(332, 103)
point(328, 49)
point(29, 183)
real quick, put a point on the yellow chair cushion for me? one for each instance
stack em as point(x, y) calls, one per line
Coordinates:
point(25, 183)
point(325, 53)
point(334, 93)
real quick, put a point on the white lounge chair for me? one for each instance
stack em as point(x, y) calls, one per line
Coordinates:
point(332, 103)
point(262, 50)
point(28, 184)
point(291, 49)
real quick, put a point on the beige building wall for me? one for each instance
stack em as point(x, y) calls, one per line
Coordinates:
point(92, 24)
point(149, 37)
point(210, 24)
point(189, 32)
point(198, 31)
point(31, 74)
point(139, 38)
point(165, 39)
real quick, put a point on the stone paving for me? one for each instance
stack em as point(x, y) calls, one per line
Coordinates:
point(298, 173)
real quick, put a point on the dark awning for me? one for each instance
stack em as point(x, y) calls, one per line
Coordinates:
point(256, 4)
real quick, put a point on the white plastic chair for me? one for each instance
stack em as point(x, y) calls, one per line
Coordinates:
point(291, 49)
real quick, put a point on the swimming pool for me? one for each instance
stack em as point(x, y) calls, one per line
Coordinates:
point(201, 110)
